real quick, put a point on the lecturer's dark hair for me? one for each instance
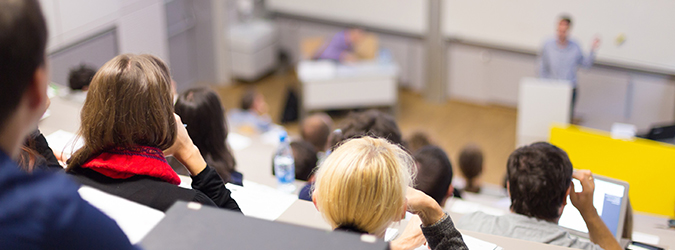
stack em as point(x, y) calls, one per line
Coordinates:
point(539, 176)
point(23, 38)
point(567, 19)
point(201, 110)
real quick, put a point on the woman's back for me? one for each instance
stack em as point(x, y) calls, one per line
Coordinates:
point(128, 126)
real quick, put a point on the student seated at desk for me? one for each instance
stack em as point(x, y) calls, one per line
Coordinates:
point(539, 181)
point(252, 117)
point(362, 188)
point(434, 173)
point(78, 80)
point(40, 210)
point(128, 126)
point(471, 166)
point(316, 129)
point(359, 124)
point(203, 114)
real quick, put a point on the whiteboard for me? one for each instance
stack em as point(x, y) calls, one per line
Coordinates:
point(407, 16)
point(648, 26)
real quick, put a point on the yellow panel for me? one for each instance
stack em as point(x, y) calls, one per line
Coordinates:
point(648, 166)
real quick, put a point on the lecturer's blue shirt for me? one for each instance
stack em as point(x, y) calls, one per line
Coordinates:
point(44, 211)
point(561, 63)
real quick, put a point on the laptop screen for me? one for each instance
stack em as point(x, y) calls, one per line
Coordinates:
point(607, 199)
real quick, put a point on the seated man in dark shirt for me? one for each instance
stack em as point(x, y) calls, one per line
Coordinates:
point(42, 210)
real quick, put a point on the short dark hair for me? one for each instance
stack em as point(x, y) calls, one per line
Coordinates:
point(80, 77)
point(368, 123)
point(417, 141)
point(23, 38)
point(248, 98)
point(434, 172)
point(315, 130)
point(471, 161)
point(567, 19)
point(539, 176)
point(201, 110)
point(305, 158)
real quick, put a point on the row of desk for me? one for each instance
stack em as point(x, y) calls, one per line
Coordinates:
point(254, 161)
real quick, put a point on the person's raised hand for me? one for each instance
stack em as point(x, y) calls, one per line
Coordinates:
point(184, 150)
point(583, 200)
point(182, 139)
point(596, 44)
point(426, 207)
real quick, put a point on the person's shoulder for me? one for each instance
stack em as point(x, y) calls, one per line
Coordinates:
point(549, 41)
point(475, 221)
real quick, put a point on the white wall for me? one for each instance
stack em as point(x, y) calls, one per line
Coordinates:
point(605, 94)
point(141, 24)
point(523, 24)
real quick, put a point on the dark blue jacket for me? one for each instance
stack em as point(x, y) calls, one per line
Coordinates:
point(44, 211)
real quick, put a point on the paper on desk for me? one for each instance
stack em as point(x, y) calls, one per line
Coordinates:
point(237, 141)
point(646, 238)
point(476, 244)
point(465, 207)
point(134, 219)
point(260, 201)
point(64, 142)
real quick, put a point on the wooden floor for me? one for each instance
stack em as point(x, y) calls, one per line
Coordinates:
point(450, 125)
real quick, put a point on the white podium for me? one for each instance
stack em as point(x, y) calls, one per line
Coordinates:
point(329, 85)
point(541, 103)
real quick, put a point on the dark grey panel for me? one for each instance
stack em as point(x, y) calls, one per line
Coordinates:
point(214, 228)
point(94, 51)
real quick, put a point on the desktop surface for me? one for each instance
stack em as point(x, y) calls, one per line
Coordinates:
point(192, 226)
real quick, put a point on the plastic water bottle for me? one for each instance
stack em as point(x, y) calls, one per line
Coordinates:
point(284, 165)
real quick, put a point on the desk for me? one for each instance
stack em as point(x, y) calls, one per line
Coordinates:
point(655, 225)
point(64, 115)
point(303, 213)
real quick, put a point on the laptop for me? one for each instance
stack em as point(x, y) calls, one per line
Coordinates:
point(193, 226)
point(610, 200)
point(661, 133)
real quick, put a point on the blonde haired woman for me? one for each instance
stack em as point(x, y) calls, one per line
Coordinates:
point(362, 187)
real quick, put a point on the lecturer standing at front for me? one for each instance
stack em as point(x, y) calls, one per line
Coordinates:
point(560, 58)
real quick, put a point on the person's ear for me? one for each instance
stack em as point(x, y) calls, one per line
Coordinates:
point(508, 188)
point(567, 194)
point(37, 90)
point(314, 195)
point(451, 191)
point(405, 209)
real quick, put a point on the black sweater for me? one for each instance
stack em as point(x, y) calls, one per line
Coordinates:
point(208, 189)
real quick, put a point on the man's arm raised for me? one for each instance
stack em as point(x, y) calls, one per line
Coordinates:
point(583, 201)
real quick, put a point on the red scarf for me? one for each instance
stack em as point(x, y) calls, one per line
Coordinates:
point(125, 162)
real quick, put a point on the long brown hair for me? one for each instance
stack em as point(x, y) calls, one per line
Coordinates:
point(29, 159)
point(202, 111)
point(129, 103)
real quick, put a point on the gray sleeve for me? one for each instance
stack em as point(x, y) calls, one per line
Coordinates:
point(444, 235)
point(576, 243)
point(586, 61)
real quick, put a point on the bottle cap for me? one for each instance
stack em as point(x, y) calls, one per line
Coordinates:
point(282, 136)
